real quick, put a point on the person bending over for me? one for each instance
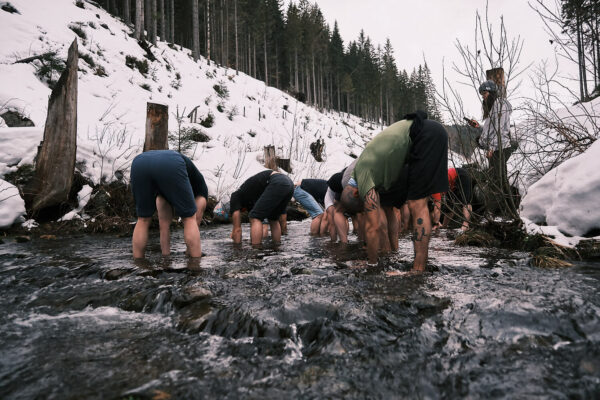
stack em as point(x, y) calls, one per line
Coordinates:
point(266, 195)
point(460, 194)
point(165, 210)
point(378, 170)
point(168, 174)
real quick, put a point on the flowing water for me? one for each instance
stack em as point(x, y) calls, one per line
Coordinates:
point(79, 319)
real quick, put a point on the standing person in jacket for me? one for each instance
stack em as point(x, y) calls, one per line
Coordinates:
point(378, 172)
point(496, 138)
point(168, 179)
point(266, 195)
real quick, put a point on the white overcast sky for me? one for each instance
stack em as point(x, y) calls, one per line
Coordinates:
point(428, 30)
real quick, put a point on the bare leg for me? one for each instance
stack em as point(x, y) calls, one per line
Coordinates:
point(201, 206)
point(165, 216)
point(315, 225)
point(324, 224)
point(332, 228)
point(360, 221)
point(467, 214)
point(256, 231)
point(140, 237)
point(405, 212)
point(275, 231)
point(341, 225)
point(392, 222)
point(283, 223)
point(421, 232)
point(384, 243)
point(191, 235)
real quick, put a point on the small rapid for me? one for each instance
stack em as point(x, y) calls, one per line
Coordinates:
point(80, 319)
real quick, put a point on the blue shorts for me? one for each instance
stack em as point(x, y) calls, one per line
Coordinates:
point(308, 202)
point(161, 172)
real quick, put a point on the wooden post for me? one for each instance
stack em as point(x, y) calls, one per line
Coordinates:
point(259, 113)
point(316, 149)
point(270, 158)
point(497, 75)
point(157, 127)
point(55, 161)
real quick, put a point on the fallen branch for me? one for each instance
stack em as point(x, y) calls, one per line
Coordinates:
point(33, 58)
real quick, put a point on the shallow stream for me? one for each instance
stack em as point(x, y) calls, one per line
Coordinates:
point(79, 319)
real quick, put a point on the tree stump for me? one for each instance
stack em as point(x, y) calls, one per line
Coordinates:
point(497, 75)
point(55, 161)
point(284, 164)
point(270, 158)
point(157, 127)
point(316, 149)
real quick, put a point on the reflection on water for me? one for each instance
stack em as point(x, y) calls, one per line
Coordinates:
point(80, 319)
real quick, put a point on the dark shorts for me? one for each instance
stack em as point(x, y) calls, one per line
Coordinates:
point(428, 162)
point(274, 200)
point(196, 180)
point(161, 172)
point(462, 192)
point(396, 195)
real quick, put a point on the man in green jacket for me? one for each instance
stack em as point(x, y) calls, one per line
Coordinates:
point(408, 161)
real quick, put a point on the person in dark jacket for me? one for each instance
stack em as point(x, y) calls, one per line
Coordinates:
point(266, 196)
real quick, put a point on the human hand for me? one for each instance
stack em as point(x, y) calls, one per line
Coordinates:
point(472, 123)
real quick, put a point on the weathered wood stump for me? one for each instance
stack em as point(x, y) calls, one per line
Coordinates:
point(284, 164)
point(316, 149)
point(497, 75)
point(55, 161)
point(270, 157)
point(157, 127)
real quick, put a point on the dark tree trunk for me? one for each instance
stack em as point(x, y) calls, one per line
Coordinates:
point(126, 12)
point(148, 16)
point(195, 31)
point(265, 57)
point(153, 22)
point(237, 64)
point(55, 163)
point(172, 20)
point(139, 19)
point(270, 158)
point(161, 13)
point(157, 127)
point(208, 31)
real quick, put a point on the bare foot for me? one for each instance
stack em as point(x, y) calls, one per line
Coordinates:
point(402, 273)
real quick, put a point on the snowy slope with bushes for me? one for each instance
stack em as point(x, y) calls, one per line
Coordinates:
point(239, 114)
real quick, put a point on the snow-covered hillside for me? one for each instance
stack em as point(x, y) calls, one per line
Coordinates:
point(112, 108)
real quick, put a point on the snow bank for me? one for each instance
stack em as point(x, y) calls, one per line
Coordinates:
point(567, 196)
point(12, 207)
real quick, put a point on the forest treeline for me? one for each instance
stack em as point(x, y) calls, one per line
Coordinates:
point(293, 49)
point(581, 19)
